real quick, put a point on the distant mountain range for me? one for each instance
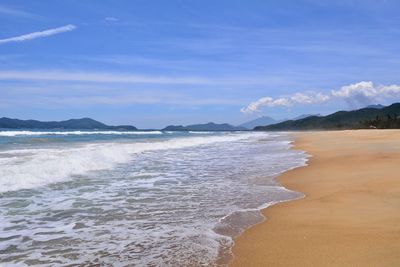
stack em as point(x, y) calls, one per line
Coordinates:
point(369, 117)
point(204, 127)
point(90, 124)
point(73, 124)
point(373, 116)
point(264, 120)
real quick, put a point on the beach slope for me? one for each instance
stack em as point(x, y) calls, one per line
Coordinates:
point(350, 215)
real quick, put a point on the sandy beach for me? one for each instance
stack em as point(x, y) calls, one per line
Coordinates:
point(350, 215)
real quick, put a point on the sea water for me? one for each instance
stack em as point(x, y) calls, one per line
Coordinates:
point(135, 198)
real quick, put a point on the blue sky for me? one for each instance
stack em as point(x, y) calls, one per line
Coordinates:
point(154, 63)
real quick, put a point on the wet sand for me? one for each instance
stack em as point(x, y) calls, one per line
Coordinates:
point(350, 215)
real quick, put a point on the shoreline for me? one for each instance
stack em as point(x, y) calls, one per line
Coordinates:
point(225, 254)
point(348, 215)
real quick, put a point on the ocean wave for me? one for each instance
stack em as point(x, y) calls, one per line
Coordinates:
point(29, 168)
point(37, 133)
point(211, 190)
point(203, 132)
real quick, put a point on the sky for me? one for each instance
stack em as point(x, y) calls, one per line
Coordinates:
point(156, 63)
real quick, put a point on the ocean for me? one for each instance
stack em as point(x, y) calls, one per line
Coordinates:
point(135, 198)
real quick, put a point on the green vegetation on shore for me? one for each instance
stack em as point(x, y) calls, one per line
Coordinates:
point(383, 118)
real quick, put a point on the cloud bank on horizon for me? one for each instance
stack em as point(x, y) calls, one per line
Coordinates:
point(356, 95)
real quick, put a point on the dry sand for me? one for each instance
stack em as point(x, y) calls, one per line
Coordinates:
point(350, 215)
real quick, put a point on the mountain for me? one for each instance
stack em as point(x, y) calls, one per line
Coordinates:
point(264, 120)
point(387, 117)
point(214, 127)
point(73, 124)
point(175, 128)
point(303, 116)
point(377, 106)
point(204, 127)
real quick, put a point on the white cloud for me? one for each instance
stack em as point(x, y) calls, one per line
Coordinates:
point(362, 88)
point(364, 93)
point(265, 101)
point(298, 98)
point(34, 35)
point(357, 95)
point(391, 90)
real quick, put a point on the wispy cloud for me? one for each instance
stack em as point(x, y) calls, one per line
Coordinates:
point(356, 95)
point(15, 12)
point(132, 99)
point(41, 34)
point(98, 77)
point(184, 65)
point(62, 95)
point(128, 78)
point(111, 19)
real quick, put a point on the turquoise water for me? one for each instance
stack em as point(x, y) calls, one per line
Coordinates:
point(135, 198)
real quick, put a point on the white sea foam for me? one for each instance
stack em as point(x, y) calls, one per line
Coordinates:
point(38, 133)
point(28, 168)
point(202, 132)
point(173, 202)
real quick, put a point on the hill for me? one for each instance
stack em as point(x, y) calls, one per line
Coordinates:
point(175, 128)
point(386, 117)
point(73, 124)
point(204, 127)
point(265, 120)
point(303, 116)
